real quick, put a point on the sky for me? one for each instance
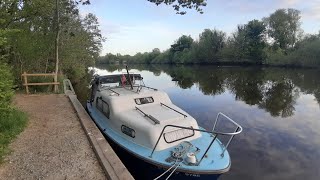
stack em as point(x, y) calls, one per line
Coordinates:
point(132, 26)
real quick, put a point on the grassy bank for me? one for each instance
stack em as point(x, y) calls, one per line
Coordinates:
point(12, 122)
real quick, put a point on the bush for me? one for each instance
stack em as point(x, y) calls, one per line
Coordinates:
point(307, 54)
point(6, 82)
point(12, 121)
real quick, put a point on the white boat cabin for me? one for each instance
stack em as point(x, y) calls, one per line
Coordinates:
point(140, 113)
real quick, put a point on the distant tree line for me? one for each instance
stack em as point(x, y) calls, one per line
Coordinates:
point(274, 40)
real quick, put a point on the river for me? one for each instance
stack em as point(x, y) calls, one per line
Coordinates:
point(278, 108)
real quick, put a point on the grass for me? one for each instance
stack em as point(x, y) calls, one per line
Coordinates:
point(12, 122)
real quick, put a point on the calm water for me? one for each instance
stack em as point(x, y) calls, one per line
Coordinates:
point(278, 109)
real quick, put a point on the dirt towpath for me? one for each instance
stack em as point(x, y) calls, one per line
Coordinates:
point(53, 145)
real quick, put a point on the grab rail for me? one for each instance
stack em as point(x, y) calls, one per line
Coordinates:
point(114, 92)
point(232, 121)
point(174, 110)
point(156, 121)
point(213, 132)
point(150, 88)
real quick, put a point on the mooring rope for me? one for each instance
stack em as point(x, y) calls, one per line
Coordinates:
point(174, 164)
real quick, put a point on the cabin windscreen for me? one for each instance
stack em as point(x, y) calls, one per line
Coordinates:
point(116, 78)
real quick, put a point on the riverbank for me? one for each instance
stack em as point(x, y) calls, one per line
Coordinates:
point(53, 145)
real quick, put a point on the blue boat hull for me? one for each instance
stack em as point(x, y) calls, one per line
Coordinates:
point(141, 169)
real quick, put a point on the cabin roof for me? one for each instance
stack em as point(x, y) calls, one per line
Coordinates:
point(124, 91)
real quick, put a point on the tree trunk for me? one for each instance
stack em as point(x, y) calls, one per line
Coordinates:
point(45, 70)
point(57, 47)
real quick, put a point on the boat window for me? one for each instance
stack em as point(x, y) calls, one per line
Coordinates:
point(178, 135)
point(103, 107)
point(144, 100)
point(128, 131)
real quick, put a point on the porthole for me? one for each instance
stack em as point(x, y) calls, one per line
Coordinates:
point(128, 131)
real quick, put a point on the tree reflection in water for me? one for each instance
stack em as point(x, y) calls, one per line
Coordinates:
point(273, 89)
point(276, 106)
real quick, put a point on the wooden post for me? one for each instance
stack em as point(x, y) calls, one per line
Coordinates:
point(26, 82)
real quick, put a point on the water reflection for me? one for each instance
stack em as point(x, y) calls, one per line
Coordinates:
point(278, 108)
point(272, 89)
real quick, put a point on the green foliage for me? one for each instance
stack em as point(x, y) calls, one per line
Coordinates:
point(255, 40)
point(275, 56)
point(12, 122)
point(307, 53)
point(183, 42)
point(210, 44)
point(247, 43)
point(31, 47)
point(284, 26)
point(6, 83)
point(271, 41)
point(187, 4)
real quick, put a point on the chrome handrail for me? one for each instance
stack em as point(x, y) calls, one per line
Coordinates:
point(231, 137)
point(173, 109)
point(213, 132)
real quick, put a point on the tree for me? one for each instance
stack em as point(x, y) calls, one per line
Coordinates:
point(182, 43)
point(33, 29)
point(184, 4)
point(210, 44)
point(57, 45)
point(254, 31)
point(283, 27)
point(248, 42)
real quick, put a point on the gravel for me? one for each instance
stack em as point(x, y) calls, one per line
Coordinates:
point(53, 145)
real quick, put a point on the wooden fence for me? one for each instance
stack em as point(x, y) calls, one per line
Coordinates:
point(26, 84)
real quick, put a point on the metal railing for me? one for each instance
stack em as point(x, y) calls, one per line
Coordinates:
point(213, 132)
point(174, 110)
point(156, 121)
point(150, 88)
point(237, 129)
point(114, 91)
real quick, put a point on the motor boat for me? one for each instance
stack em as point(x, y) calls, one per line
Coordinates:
point(154, 138)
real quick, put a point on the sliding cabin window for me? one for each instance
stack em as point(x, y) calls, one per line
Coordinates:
point(103, 107)
point(144, 100)
point(178, 135)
